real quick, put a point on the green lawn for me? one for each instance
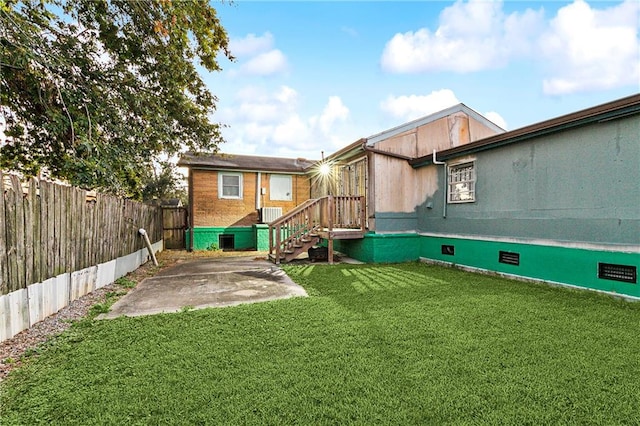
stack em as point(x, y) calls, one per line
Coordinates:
point(385, 344)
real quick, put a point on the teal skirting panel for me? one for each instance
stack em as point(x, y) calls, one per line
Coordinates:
point(208, 238)
point(262, 237)
point(566, 265)
point(381, 248)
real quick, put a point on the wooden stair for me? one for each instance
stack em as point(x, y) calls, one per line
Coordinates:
point(330, 217)
point(298, 247)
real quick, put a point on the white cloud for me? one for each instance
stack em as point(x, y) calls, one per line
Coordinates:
point(251, 45)
point(271, 122)
point(496, 118)
point(287, 95)
point(416, 106)
point(580, 49)
point(588, 49)
point(471, 36)
point(291, 132)
point(350, 31)
point(257, 55)
point(334, 111)
point(268, 63)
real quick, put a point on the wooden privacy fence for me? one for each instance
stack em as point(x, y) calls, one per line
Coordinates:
point(48, 229)
point(174, 225)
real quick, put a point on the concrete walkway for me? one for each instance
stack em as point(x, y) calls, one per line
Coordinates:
point(203, 283)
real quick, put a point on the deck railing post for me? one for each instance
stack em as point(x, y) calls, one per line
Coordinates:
point(270, 239)
point(363, 219)
point(331, 212)
point(278, 248)
point(322, 215)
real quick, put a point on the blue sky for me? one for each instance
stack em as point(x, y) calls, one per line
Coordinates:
point(316, 76)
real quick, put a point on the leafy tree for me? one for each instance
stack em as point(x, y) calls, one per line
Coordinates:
point(95, 90)
point(164, 183)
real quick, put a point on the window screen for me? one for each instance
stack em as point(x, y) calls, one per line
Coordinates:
point(462, 183)
point(230, 185)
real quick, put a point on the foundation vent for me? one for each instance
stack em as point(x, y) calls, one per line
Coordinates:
point(448, 250)
point(509, 258)
point(624, 273)
point(226, 241)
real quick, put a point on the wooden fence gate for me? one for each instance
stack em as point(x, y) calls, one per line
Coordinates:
point(174, 224)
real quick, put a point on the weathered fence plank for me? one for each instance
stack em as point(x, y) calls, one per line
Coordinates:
point(28, 203)
point(34, 192)
point(12, 236)
point(4, 270)
point(52, 229)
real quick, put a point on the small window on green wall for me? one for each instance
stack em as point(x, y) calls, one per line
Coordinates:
point(230, 185)
point(462, 183)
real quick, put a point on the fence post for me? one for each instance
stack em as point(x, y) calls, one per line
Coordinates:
point(4, 270)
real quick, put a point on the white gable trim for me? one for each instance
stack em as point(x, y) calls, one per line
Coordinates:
point(372, 140)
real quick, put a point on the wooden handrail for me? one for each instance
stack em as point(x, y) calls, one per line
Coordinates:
point(327, 213)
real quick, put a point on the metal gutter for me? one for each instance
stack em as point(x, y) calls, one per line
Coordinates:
point(606, 112)
point(385, 153)
point(348, 151)
point(231, 169)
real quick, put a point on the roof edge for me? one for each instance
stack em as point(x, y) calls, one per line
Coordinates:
point(619, 108)
point(378, 137)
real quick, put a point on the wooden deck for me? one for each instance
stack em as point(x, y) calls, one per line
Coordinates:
point(328, 218)
point(340, 234)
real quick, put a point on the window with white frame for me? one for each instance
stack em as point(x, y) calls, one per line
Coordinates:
point(280, 188)
point(230, 185)
point(462, 183)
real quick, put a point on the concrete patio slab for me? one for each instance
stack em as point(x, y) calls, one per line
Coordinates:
point(204, 283)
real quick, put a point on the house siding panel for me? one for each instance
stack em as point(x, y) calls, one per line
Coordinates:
point(574, 186)
point(210, 210)
point(479, 130)
point(299, 186)
point(399, 198)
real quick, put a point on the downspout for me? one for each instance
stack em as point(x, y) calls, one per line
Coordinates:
point(145, 236)
point(446, 179)
point(190, 218)
point(388, 154)
point(258, 190)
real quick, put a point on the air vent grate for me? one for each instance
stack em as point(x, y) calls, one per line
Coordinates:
point(624, 273)
point(509, 258)
point(226, 241)
point(448, 250)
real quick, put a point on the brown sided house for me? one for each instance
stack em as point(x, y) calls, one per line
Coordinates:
point(232, 197)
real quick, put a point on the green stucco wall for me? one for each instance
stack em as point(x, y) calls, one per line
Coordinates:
point(206, 238)
point(381, 248)
point(574, 186)
point(254, 237)
point(261, 237)
point(396, 222)
point(564, 265)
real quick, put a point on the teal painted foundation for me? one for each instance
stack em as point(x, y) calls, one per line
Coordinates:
point(381, 248)
point(261, 237)
point(254, 237)
point(207, 238)
point(565, 265)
